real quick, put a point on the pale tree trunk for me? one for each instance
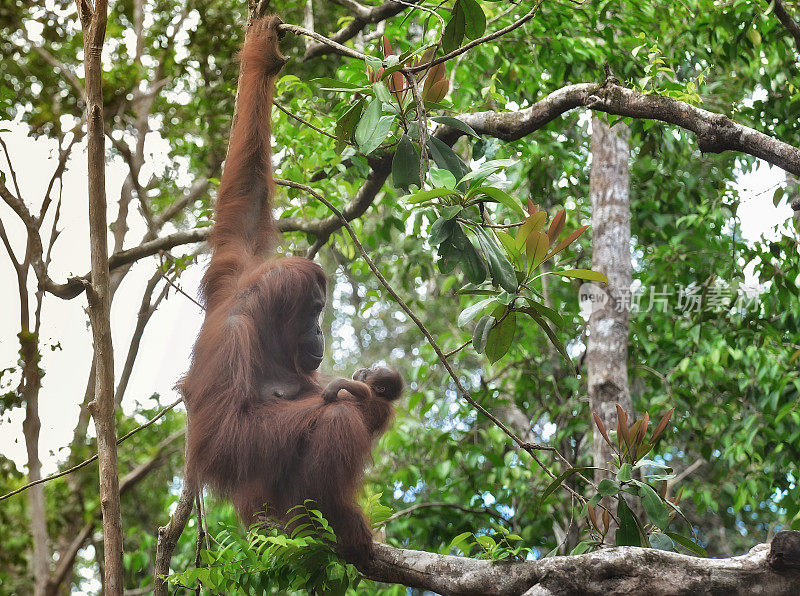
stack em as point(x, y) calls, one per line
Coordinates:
point(607, 350)
point(93, 21)
point(31, 426)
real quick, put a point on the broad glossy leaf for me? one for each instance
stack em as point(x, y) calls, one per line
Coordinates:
point(346, 124)
point(688, 544)
point(656, 509)
point(475, 20)
point(442, 178)
point(441, 230)
point(500, 337)
point(628, 533)
point(499, 196)
point(445, 158)
point(481, 333)
point(405, 164)
point(453, 122)
point(454, 30)
point(499, 266)
point(427, 195)
point(471, 260)
point(587, 274)
point(473, 311)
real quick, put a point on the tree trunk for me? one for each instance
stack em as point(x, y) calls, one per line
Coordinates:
point(31, 382)
point(93, 22)
point(607, 350)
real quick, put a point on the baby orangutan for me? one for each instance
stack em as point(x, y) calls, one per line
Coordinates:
point(368, 384)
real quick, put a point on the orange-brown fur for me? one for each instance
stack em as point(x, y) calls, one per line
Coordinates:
point(260, 450)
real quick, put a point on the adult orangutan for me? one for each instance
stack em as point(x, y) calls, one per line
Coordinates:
point(260, 432)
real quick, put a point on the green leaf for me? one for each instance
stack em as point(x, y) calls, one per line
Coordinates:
point(329, 84)
point(474, 19)
point(405, 164)
point(661, 541)
point(427, 195)
point(471, 261)
point(688, 544)
point(608, 487)
point(488, 168)
point(654, 506)
point(583, 274)
point(480, 335)
point(499, 196)
point(628, 533)
point(455, 123)
point(500, 267)
point(451, 211)
point(373, 128)
point(346, 124)
point(548, 312)
point(449, 257)
point(472, 311)
point(500, 337)
point(582, 547)
point(442, 178)
point(368, 121)
point(454, 30)
point(445, 158)
point(441, 230)
point(624, 473)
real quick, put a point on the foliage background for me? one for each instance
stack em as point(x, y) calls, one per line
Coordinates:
point(733, 378)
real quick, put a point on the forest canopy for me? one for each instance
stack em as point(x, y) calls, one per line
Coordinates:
point(572, 227)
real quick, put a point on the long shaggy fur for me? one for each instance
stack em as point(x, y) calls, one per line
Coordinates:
point(263, 451)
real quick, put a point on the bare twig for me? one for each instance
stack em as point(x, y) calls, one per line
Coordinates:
point(476, 42)
point(416, 506)
point(306, 122)
point(85, 463)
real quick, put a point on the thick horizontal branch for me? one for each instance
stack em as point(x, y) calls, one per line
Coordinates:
point(773, 569)
point(715, 132)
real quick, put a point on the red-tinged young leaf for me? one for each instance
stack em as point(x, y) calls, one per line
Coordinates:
point(436, 75)
point(531, 225)
point(662, 425)
point(606, 521)
point(592, 516)
point(566, 242)
point(601, 428)
point(676, 499)
point(536, 256)
point(557, 225)
point(643, 428)
point(622, 426)
point(633, 433)
point(387, 47)
point(532, 208)
point(437, 91)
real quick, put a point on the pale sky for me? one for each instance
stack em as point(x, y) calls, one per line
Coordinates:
point(166, 345)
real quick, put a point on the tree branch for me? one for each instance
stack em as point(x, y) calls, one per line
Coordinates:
point(614, 571)
point(715, 132)
point(363, 16)
point(787, 21)
point(126, 483)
